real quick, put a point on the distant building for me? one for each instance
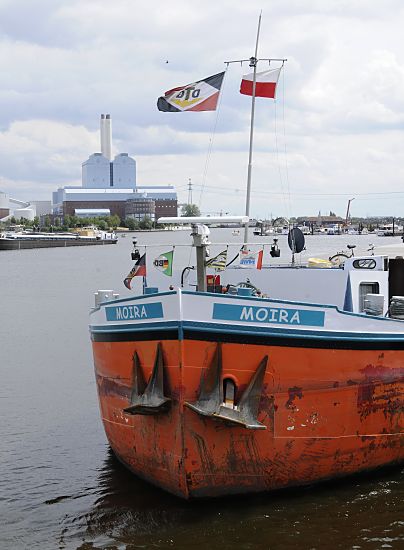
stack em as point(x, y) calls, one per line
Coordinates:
point(140, 208)
point(42, 207)
point(320, 221)
point(92, 213)
point(123, 171)
point(165, 200)
point(69, 200)
point(109, 187)
point(15, 208)
point(95, 172)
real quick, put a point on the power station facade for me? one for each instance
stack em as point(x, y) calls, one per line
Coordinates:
point(109, 187)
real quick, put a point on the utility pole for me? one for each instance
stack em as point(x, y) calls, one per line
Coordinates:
point(189, 191)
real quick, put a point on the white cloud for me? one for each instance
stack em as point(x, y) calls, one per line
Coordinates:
point(339, 114)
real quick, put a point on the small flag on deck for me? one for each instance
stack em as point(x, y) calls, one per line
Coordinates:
point(198, 96)
point(251, 259)
point(265, 83)
point(218, 262)
point(138, 270)
point(164, 263)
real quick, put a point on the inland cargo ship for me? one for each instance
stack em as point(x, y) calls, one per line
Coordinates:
point(238, 375)
point(267, 378)
point(27, 240)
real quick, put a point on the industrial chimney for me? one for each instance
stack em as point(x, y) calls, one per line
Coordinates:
point(106, 136)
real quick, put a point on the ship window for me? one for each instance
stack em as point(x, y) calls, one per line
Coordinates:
point(367, 288)
point(229, 392)
point(364, 263)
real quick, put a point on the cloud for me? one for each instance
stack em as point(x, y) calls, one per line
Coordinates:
point(45, 152)
point(337, 123)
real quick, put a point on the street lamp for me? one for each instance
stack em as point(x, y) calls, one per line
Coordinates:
point(347, 211)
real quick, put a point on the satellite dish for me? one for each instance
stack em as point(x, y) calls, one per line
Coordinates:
point(296, 240)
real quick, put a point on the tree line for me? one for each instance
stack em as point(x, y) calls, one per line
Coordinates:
point(104, 223)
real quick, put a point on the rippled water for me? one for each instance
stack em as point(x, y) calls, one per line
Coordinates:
point(61, 487)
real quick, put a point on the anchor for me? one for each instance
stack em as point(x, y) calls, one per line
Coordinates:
point(210, 400)
point(148, 399)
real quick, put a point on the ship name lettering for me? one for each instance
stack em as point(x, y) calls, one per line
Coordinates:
point(130, 312)
point(270, 315)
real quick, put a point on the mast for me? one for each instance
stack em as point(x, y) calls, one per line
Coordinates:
point(253, 63)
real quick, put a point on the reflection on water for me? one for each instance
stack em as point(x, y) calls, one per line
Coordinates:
point(60, 485)
point(357, 512)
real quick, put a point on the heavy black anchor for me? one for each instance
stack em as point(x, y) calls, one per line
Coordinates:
point(148, 399)
point(210, 401)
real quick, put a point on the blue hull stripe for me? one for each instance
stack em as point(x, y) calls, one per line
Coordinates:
point(134, 327)
point(293, 333)
point(244, 330)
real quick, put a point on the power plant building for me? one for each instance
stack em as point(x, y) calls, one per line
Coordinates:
point(109, 187)
point(69, 200)
point(14, 208)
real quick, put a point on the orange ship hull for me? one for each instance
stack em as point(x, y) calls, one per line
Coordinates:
point(324, 413)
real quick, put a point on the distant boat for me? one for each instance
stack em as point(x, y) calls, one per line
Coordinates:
point(263, 231)
point(27, 240)
point(389, 230)
point(332, 230)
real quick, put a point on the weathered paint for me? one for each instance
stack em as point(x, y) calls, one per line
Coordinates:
point(327, 413)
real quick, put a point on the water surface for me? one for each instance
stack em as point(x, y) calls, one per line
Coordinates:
point(60, 485)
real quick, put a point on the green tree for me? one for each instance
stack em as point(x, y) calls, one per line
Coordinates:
point(67, 221)
point(115, 221)
point(190, 210)
point(74, 221)
point(146, 223)
point(131, 224)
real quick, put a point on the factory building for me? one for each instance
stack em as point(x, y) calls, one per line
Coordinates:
point(137, 209)
point(96, 172)
point(10, 207)
point(42, 208)
point(70, 200)
point(109, 187)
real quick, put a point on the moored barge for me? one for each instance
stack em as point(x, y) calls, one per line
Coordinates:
point(277, 377)
point(22, 241)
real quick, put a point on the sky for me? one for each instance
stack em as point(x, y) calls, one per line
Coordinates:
point(335, 131)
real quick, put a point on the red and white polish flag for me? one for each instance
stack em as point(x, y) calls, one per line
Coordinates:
point(265, 83)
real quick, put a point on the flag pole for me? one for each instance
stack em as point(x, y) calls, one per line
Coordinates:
point(253, 63)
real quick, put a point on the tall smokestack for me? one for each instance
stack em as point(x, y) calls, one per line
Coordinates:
point(107, 137)
point(102, 134)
